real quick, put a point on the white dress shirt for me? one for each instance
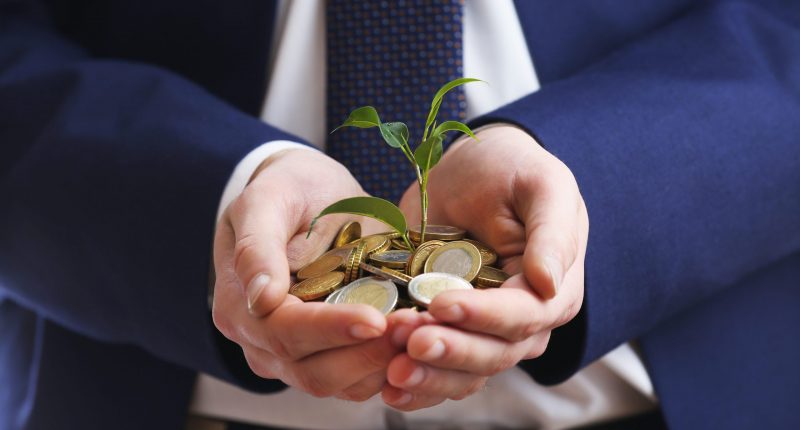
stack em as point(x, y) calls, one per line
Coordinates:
point(617, 385)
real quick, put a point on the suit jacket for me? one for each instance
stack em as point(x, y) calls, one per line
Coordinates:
point(120, 122)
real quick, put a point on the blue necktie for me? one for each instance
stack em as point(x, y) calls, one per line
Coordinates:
point(392, 55)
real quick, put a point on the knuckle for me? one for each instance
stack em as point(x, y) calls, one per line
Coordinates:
point(244, 246)
point(525, 330)
point(256, 365)
point(223, 324)
point(278, 347)
point(477, 385)
point(311, 383)
point(505, 361)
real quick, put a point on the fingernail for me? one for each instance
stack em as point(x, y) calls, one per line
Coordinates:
point(554, 267)
point(453, 313)
point(415, 377)
point(255, 288)
point(435, 352)
point(400, 335)
point(363, 331)
point(402, 400)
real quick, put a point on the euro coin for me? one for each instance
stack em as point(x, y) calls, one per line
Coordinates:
point(490, 277)
point(320, 286)
point(425, 287)
point(416, 264)
point(436, 232)
point(350, 232)
point(458, 258)
point(376, 292)
point(355, 258)
point(488, 256)
point(399, 244)
point(392, 275)
point(375, 243)
point(332, 297)
point(322, 265)
point(394, 259)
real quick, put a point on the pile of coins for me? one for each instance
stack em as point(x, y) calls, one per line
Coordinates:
point(380, 270)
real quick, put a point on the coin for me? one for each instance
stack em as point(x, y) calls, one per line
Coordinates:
point(375, 243)
point(458, 258)
point(488, 256)
point(324, 264)
point(399, 244)
point(395, 259)
point(425, 287)
point(436, 232)
point(314, 288)
point(490, 277)
point(416, 263)
point(355, 258)
point(332, 297)
point(349, 233)
point(376, 292)
point(392, 275)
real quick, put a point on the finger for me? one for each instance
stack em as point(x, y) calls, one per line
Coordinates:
point(406, 401)
point(298, 330)
point(549, 204)
point(454, 349)
point(523, 314)
point(403, 322)
point(262, 224)
point(329, 372)
point(365, 388)
point(417, 378)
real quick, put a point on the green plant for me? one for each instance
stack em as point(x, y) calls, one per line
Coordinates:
point(423, 159)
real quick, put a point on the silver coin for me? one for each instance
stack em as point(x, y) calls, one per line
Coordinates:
point(458, 258)
point(332, 296)
point(376, 292)
point(395, 259)
point(395, 277)
point(423, 288)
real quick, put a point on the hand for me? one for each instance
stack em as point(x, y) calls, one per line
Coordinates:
point(510, 193)
point(320, 349)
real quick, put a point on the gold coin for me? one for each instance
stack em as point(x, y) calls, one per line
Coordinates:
point(399, 244)
point(390, 274)
point(437, 232)
point(375, 243)
point(458, 258)
point(349, 233)
point(488, 256)
point(396, 259)
point(356, 257)
point(391, 235)
point(324, 264)
point(416, 264)
point(378, 293)
point(314, 288)
point(490, 277)
point(425, 287)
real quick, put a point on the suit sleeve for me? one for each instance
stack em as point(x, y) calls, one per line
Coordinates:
point(685, 147)
point(110, 177)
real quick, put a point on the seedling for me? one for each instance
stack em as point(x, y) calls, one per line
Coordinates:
point(422, 159)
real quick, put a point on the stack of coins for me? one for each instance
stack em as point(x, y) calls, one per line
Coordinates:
point(380, 270)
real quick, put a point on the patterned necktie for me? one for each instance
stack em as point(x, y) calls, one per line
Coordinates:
point(392, 55)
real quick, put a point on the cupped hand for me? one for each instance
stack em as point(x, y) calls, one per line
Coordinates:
point(321, 349)
point(513, 195)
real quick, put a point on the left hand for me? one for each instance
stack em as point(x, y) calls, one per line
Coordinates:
point(513, 195)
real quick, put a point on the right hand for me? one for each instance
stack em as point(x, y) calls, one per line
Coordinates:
point(320, 349)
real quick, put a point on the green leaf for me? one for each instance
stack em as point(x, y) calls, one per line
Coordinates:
point(429, 153)
point(395, 134)
point(437, 99)
point(453, 126)
point(373, 207)
point(363, 117)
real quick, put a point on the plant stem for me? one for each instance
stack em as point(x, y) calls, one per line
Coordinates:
point(423, 193)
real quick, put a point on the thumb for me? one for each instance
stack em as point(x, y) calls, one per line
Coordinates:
point(262, 226)
point(553, 234)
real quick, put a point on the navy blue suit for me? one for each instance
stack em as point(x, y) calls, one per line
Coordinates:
point(120, 122)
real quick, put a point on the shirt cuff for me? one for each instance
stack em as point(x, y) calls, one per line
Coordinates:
point(242, 172)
